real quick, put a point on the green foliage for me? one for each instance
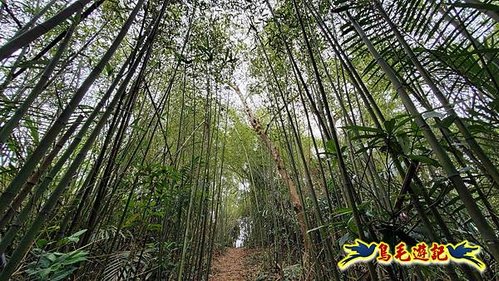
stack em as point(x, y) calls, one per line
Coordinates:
point(177, 165)
point(293, 272)
point(55, 266)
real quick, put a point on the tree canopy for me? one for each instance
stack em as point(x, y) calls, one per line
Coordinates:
point(140, 138)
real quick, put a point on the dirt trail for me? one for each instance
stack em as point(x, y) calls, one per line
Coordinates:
point(234, 264)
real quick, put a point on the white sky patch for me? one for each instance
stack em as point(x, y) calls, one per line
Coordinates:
point(243, 186)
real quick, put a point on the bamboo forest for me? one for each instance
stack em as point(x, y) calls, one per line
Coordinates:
point(249, 140)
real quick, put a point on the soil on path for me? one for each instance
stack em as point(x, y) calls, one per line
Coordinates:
point(234, 264)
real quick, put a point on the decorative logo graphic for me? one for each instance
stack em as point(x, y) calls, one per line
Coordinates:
point(421, 253)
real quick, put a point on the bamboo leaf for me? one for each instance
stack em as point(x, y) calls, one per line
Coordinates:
point(363, 129)
point(480, 6)
point(423, 159)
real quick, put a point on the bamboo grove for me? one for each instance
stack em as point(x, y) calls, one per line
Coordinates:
point(136, 135)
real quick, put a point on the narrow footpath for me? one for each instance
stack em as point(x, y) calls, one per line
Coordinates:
point(234, 265)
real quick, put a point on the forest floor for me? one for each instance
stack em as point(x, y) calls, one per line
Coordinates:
point(235, 264)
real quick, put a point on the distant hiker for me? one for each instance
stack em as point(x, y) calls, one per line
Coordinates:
point(3, 261)
point(234, 234)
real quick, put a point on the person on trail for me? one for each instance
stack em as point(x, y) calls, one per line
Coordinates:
point(3, 261)
point(235, 234)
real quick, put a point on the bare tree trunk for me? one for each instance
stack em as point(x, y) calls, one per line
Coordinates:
point(285, 176)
